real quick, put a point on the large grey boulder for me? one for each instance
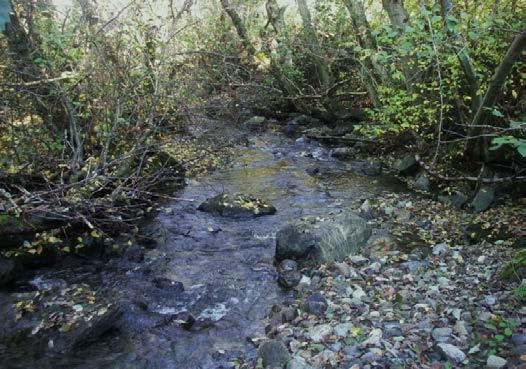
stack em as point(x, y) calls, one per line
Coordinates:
point(455, 199)
point(237, 206)
point(273, 354)
point(406, 165)
point(483, 199)
point(329, 239)
point(256, 123)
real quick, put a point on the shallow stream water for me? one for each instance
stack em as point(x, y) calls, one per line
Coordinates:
point(225, 265)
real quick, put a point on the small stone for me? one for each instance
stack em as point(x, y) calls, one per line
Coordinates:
point(441, 334)
point(359, 260)
point(440, 249)
point(287, 265)
point(373, 268)
point(342, 329)
point(289, 279)
point(358, 293)
point(490, 300)
point(518, 339)
point(460, 328)
point(451, 352)
point(316, 304)
point(297, 362)
point(495, 362)
point(392, 330)
point(375, 337)
point(317, 333)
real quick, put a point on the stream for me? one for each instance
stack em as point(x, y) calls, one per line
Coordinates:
point(225, 265)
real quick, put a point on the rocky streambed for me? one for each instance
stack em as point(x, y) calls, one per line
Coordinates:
point(210, 292)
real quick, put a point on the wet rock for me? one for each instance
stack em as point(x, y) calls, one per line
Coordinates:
point(297, 362)
point(451, 352)
point(289, 279)
point(168, 285)
point(483, 199)
point(343, 153)
point(273, 354)
point(256, 123)
point(407, 165)
point(298, 123)
point(495, 362)
point(81, 334)
point(331, 239)
point(134, 253)
point(316, 304)
point(289, 314)
point(186, 320)
point(369, 168)
point(7, 271)
point(237, 206)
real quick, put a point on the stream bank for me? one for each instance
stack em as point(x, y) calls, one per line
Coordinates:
point(199, 296)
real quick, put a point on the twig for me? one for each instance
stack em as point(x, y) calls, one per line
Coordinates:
point(432, 172)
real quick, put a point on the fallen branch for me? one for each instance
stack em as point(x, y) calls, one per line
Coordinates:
point(337, 138)
point(479, 179)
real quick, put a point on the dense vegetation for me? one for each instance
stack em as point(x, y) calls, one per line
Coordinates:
point(90, 97)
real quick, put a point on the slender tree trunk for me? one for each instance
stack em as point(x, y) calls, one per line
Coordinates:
point(399, 20)
point(50, 100)
point(463, 57)
point(240, 27)
point(367, 41)
point(478, 147)
point(314, 46)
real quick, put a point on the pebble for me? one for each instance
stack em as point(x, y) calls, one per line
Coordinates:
point(490, 300)
point(518, 339)
point(440, 249)
point(451, 352)
point(317, 333)
point(441, 334)
point(496, 362)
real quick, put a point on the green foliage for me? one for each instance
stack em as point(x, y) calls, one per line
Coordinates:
point(518, 143)
point(516, 266)
point(520, 293)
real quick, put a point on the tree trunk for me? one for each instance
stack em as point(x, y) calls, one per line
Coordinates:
point(50, 100)
point(314, 46)
point(367, 41)
point(399, 20)
point(463, 57)
point(477, 148)
point(240, 27)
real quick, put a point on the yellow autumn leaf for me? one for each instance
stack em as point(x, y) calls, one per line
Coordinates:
point(95, 234)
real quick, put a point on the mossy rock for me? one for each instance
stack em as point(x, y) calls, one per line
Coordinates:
point(237, 206)
point(516, 267)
